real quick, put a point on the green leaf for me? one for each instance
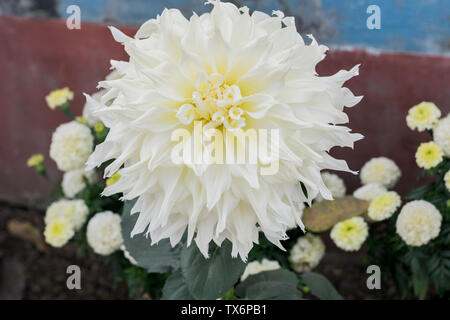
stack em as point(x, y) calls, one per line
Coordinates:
point(320, 286)
point(160, 257)
point(419, 193)
point(175, 288)
point(323, 215)
point(439, 269)
point(210, 278)
point(419, 278)
point(279, 284)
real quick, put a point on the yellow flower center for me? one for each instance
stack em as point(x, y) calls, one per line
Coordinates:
point(113, 179)
point(429, 155)
point(214, 102)
point(35, 160)
point(56, 229)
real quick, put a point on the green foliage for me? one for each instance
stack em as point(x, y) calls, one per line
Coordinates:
point(419, 271)
point(137, 279)
point(320, 287)
point(278, 284)
point(210, 278)
point(176, 288)
point(56, 193)
point(266, 249)
point(160, 257)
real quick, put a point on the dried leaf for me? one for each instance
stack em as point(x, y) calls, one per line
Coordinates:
point(322, 216)
point(26, 231)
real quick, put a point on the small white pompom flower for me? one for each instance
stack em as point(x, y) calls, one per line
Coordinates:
point(447, 180)
point(58, 232)
point(384, 206)
point(75, 211)
point(418, 222)
point(429, 155)
point(335, 184)
point(380, 170)
point(307, 252)
point(230, 71)
point(73, 181)
point(58, 97)
point(369, 191)
point(423, 116)
point(442, 135)
point(256, 267)
point(71, 145)
point(104, 233)
point(350, 234)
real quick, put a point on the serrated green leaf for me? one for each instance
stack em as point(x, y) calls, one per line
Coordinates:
point(210, 278)
point(320, 286)
point(323, 215)
point(279, 284)
point(160, 257)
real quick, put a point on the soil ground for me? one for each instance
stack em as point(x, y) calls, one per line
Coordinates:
point(28, 273)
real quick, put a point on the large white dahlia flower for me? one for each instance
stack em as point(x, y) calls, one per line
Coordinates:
point(335, 184)
point(230, 70)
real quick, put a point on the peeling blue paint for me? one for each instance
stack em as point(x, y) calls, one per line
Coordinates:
point(406, 25)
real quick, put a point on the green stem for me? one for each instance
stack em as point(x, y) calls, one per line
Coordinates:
point(66, 109)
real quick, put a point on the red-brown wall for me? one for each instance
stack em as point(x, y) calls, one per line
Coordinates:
point(37, 56)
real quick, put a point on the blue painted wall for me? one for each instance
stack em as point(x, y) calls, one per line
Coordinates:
point(406, 25)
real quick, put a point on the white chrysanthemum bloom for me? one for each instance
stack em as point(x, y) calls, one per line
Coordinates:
point(104, 233)
point(418, 222)
point(58, 97)
point(227, 70)
point(423, 116)
point(58, 232)
point(71, 145)
point(350, 234)
point(128, 255)
point(335, 184)
point(369, 191)
point(447, 180)
point(73, 181)
point(380, 170)
point(256, 267)
point(441, 135)
point(75, 211)
point(384, 206)
point(429, 155)
point(307, 252)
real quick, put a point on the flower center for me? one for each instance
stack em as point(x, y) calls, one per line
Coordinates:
point(215, 103)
